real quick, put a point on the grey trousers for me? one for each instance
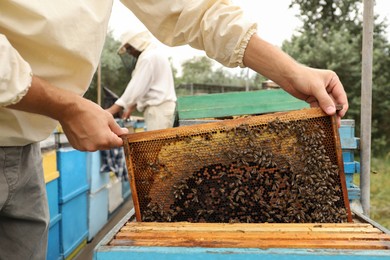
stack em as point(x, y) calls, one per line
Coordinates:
point(24, 212)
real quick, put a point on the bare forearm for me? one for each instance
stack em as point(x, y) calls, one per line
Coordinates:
point(44, 99)
point(318, 87)
point(270, 61)
point(87, 125)
point(130, 109)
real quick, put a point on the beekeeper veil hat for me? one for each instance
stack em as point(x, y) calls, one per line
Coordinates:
point(140, 39)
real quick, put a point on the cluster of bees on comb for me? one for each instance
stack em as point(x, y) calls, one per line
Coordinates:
point(279, 172)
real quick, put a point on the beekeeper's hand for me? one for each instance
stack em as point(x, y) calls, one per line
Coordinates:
point(87, 126)
point(320, 88)
point(127, 113)
point(114, 109)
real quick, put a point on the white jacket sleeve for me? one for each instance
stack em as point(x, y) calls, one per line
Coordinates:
point(215, 26)
point(15, 74)
point(138, 85)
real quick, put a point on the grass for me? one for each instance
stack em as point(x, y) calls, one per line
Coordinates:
point(379, 190)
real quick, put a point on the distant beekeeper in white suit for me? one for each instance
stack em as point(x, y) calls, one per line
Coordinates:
point(151, 89)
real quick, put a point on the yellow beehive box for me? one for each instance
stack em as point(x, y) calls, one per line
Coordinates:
point(49, 162)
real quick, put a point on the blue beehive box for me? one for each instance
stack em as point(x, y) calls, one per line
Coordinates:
point(347, 135)
point(97, 211)
point(53, 246)
point(115, 197)
point(74, 226)
point(96, 178)
point(52, 196)
point(348, 155)
point(350, 144)
point(125, 188)
point(72, 165)
point(51, 175)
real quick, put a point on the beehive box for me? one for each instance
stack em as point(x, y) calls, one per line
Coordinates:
point(284, 167)
point(361, 239)
point(254, 235)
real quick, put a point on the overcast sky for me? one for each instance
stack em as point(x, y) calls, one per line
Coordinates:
point(276, 22)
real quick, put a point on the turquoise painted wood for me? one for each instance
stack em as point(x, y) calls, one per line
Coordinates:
point(350, 146)
point(350, 167)
point(169, 253)
point(97, 211)
point(53, 247)
point(354, 192)
point(96, 179)
point(350, 143)
point(348, 155)
point(74, 222)
point(236, 103)
point(347, 128)
point(73, 176)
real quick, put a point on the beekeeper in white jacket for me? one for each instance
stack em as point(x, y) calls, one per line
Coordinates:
point(49, 52)
point(151, 89)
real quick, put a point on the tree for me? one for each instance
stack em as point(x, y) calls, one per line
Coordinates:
point(197, 70)
point(331, 38)
point(114, 75)
point(325, 15)
point(202, 70)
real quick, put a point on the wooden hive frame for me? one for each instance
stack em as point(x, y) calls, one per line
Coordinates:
point(158, 161)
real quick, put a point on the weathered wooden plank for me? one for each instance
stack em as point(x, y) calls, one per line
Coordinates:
point(252, 235)
point(114, 247)
point(256, 243)
point(251, 227)
point(263, 235)
point(240, 225)
point(237, 235)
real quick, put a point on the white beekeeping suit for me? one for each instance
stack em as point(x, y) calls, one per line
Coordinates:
point(151, 89)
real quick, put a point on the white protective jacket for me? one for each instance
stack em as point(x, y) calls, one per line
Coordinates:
point(151, 83)
point(61, 42)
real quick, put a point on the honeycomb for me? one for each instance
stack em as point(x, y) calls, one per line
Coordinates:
point(283, 167)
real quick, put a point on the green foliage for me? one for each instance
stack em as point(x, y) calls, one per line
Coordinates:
point(202, 70)
point(114, 74)
point(381, 94)
point(197, 70)
point(325, 15)
point(174, 70)
point(380, 193)
point(331, 37)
